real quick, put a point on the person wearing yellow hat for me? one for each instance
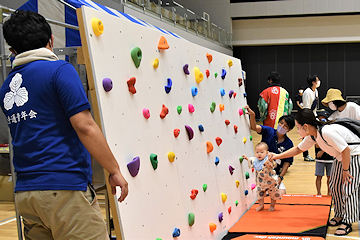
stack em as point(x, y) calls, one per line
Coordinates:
point(342, 109)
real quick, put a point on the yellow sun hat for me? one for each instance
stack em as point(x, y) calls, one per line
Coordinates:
point(332, 95)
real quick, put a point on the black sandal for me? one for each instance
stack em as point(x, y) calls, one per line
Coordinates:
point(347, 230)
point(337, 223)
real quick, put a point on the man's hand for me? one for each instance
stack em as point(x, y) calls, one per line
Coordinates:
point(249, 111)
point(117, 179)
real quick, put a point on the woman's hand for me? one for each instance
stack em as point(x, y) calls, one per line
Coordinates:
point(347, 177)
point(272, 156)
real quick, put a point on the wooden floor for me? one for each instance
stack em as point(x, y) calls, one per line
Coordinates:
point(300, 179)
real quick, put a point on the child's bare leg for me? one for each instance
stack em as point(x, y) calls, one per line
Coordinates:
point(318, 184)
point(261, 205)
point(272, 205)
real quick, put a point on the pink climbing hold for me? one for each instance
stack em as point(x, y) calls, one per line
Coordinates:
point(253, 186)
point(241, 112)
point(191, 108)
point(146, 113)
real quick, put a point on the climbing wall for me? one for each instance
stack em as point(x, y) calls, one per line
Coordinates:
point(172, 113)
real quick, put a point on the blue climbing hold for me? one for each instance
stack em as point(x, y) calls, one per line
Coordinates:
point(168, 86)
point(222, 91)
point(201, 128)
point(246, 192)
point(245, 95)
point(176, 232)
point(223, 74)
point(217, 161)
point(194, 91)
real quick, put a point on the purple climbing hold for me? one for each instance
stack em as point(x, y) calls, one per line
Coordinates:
point(186, 69)
point(231, 169)
point(107, 84)
point(231, 93)
point(134, 166)
point(189, 131)
point(221, 217)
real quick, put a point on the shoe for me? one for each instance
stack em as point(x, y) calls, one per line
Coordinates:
point(346, 230)
point(332, 222)
point(308, 158)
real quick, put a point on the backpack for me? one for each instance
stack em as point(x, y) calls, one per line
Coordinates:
point(351, 124)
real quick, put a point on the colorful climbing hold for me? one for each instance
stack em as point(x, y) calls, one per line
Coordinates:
point(227, 122)
point(246, 192)
point(241, 112)
point(222, 91)
point(247, 175)
point(191, 219)
point(171, 156)
point(237, 182)
point(209, 147)
point(186, 69)
point(107, 84)
point(179, 109)
point(207, 72)
point(231, 93)
point(146, 113)
point(253, 186)
point(176, 132)
point(97, 26)
point(235, 94)
point(244, 110)
point(164, 111)
point(154, 161)
point(235, 128)
point(215, 74)
point(201, 128)
point(223, 197)
point(217, 161)
point(245, 95)
point(131, 85)
point(189, 131)
point(204, 187)
point(231, 169)
point(212, 107)
point(223, 74)
point(229, 210)
point(156, 63)
point(134, 166)
point(212, 227)
point(168, 86)
point(236, 203)
point(221, 217)
point(209, 57)
point(176, 232)
point(194, 193)
point(230, 63)
point(163, 44)
point(221, 107)
point(244, 140)
point(136, 56)
point(191, 108)
point(251, 137)
point(194, 91)
point(240, 82)
point(241, 159)
point(198, 75)
point(218, 140)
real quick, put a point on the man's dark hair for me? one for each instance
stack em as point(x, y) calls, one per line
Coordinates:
point(290, 121)
point(26, 31)
point(274, 76)
point(311, 79)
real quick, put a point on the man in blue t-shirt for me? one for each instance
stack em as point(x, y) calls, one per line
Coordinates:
point(53, 135)
point(277, 140)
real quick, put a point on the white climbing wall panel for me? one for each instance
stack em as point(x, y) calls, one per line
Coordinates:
point(159, 200)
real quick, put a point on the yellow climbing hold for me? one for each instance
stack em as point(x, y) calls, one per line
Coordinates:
point(97, 26)
point(230, 63)
point(156, 63)
point(198, 75)
point(237, 183)
point(171, 156)
point(244, 139)
point(223, 197)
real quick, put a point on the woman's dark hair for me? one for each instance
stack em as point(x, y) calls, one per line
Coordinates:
point(306, 116)
point(289, 120)
point(26, 31)
point(339, 103)
point(311, 79)
point(274, 76)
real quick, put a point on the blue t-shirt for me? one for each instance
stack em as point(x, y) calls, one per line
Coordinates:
point(269, 136)
point(38, 98)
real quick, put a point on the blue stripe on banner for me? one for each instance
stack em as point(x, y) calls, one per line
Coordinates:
point(105, 9)
point(78, 3)
point(173, 34)
point(31, 5)
point(72, 36)
point(130, 18)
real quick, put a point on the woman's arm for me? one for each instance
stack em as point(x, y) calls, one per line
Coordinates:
point(289, 153)
point(346, 164)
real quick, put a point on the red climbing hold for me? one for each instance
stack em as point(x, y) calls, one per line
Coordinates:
point(194, 192)
point(131, 85)
point(164, 112)
point(218, 141)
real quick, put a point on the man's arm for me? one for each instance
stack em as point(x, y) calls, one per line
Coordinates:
point(253, 125)
point(94, 141)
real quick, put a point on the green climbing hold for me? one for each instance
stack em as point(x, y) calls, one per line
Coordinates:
point(204, 187)
point(191, 218)
point(179, 109)
point(136, 56)
point(250, 137)
point(247, 176)
point(154, 161)
point(236, 203)
point(216, 74)
point(241, 159)
point(212, 107)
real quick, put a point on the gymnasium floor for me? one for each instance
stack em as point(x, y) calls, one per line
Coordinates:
point(300, 179)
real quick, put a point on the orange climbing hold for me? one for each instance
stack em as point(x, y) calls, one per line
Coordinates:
point(209, 147)
point(222, 107)
point(235, 128)
point(163, 44)
point(209, 57)
point(131, 85)
point(164, 112)
point(212, 227)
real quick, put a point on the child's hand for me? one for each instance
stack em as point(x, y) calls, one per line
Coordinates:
point(245, 157)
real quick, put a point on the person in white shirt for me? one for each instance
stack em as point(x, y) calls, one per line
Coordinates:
point(310, 99)
point(342, 109)
point(345, 180)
